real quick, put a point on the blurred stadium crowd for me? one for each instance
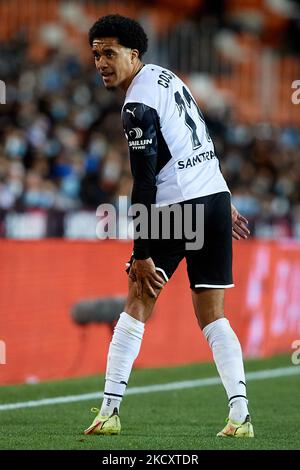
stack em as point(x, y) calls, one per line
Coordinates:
point(62, 147)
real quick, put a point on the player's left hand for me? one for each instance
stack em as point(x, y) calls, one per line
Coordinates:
point(239, 224)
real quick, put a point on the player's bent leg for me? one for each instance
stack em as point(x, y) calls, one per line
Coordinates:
point(123, 350)
point(208, 305)
point(233, 429)
point(140, 308)
point(227, 354)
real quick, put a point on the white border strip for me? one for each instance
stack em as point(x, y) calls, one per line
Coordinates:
point(259, 375)
point(214, 286)
point(163, 272)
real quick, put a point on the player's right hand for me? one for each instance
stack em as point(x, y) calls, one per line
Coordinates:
point(148, 281)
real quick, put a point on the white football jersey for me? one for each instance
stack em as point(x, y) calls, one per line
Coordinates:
point(187, 166)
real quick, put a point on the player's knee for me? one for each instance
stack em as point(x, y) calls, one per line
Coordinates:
point(207, 317)
point(157, 290)
point(140, 307)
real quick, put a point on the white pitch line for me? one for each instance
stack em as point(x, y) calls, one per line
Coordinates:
point(259, 375)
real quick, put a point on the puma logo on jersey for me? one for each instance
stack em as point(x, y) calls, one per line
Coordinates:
point(131, 112)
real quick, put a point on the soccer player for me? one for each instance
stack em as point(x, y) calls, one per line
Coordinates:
point(172, 161)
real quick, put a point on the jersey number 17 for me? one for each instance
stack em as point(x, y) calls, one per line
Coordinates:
point(187, 101)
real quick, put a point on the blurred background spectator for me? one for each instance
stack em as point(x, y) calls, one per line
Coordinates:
point(62, 149)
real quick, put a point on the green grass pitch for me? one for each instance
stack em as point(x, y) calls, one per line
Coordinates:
point(169, 420)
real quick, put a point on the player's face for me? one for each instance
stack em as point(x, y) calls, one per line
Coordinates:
point(113, 61)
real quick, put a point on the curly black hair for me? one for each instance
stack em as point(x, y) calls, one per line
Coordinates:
point(128, 31)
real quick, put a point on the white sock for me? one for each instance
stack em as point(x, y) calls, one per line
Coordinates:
point(238, 410)
point(123, 350)
point(228, 358)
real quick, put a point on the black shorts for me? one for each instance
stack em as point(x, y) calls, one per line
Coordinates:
point(209, 266)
